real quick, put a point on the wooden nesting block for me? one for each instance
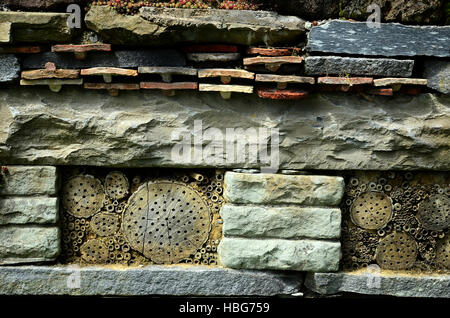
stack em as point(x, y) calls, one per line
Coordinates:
point(350, 81)
point(213, 57)
point(81, 50)
point(55, 85)
point(211, 48)
point(108, 72)
point(283, 80)
point(20, 49)
point(281, 94)
point(396, 83)
point(112, 88)
point(225, 74)
point(226, 90)
point(285, 51)
point(167, 72)
point(272, 64)
point(169, 89)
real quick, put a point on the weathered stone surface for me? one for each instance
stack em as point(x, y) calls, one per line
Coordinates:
point(242, 188)
point(46, 73)
point(167, 26)
point(169, 86)
point(227, 73)
point(323, 132)
point(345, 80)
point(41, 4)
point(5, 32)
point(9, 68)
point(438, 74)
point(124, 59)
point(358, 38)
point(400, 81)
point(42, 27)
point(29, 244)
point(338, 65)
point(370, 283)
point(281, 94)
point(288, 222)
point(305, 255)
point(149, 280)
point(37, 210)
point(30, 180)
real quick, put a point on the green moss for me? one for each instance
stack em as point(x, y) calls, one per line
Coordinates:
point(341, 10)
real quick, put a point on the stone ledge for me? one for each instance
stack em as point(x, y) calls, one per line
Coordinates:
point(150, 280)
point(400, 285)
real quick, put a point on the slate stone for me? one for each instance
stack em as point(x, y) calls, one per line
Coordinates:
point(130, 59)
point(142, 281)
point(338, 65)
point(9, 68)
point(30, 180)
point(438, 74)
point(390, 39)
point(380, 283)
point(304, 255)
point(36, 210)
point(28, 244)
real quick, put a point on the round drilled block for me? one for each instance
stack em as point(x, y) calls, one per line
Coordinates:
point(94, 251)
point(105, 224)
point(397, 251)
point(434, 212)
point(166, 221)
point(83, 196)
point(371, 210)
point(116, 185)
point(443, 253)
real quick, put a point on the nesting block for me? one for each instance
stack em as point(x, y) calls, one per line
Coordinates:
point(9, 68)
point(5, 32)
point(29, 181)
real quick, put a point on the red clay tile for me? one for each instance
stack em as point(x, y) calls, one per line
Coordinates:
point(20, 50)
point(345, 80)
point(381, 91)
point(287, 51)
point(277, 94)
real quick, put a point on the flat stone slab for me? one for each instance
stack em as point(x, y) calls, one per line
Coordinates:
point(338, 65)
point(47, 73)
point(304, 255)
point(81, 48)
point(169, 86)
point(9, 68)
point(271, 78)
point(223, 72)
point(400, 81)
point(42, 27)
point(271, 63)
point(115, 71)
point(286, 51)
point(185, 71)
point(383, 283)
point(281, 94)
point(19, 244)
point(30, 180)
point(213, 57)
point(55, 85)
point(34, 210)
point(112, 86)
point(438, 74)
point(391, 39)
point(267, 189)
point(5, 32)
point(169, 26)
point(225, 88)
point(345, 80)
point(287, 222)
point(121, 59)
point(143, 281)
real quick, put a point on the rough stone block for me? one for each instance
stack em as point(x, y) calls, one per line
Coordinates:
point(243, 188)
point(30, 180)
point(338, 65)
point(168, 26)
point(36, 210)
point(28, 244)
point(145, 281)
point(287, 222)
point(386, 284)
point(438, 74)
point(9, 68)
point(42, 27)
point(390, 39)
point(305, 255)
point(5, 32)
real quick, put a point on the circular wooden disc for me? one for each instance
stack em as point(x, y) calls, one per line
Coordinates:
point(443, 252)
point(371, 210)
point(116, 185)
point(105, 224)
point(396, 251)
point(434, 212)
point(166, 221)
point(83, 196)
point(94, 251)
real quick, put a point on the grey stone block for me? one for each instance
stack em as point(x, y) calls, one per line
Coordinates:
point(243, 188)
point(391, 39)
point(30, 180)
point(9, 68)
point(129, 58)
point(149, 280)
point(288, 222)
point(29, 244)
point(304, 255)
point(36, 210)
point(338, 65)
point(387, 284)
point(438, 74)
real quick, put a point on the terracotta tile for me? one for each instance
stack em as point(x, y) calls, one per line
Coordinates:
point(50, 73)
point(169, 86)
point(284, 94)
point(81, 48)
point(271, 78)
point(226, 73)
point(109, 71)
point(288, 51)
point(345, 80)
point(109, 86)
point(272, 63)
